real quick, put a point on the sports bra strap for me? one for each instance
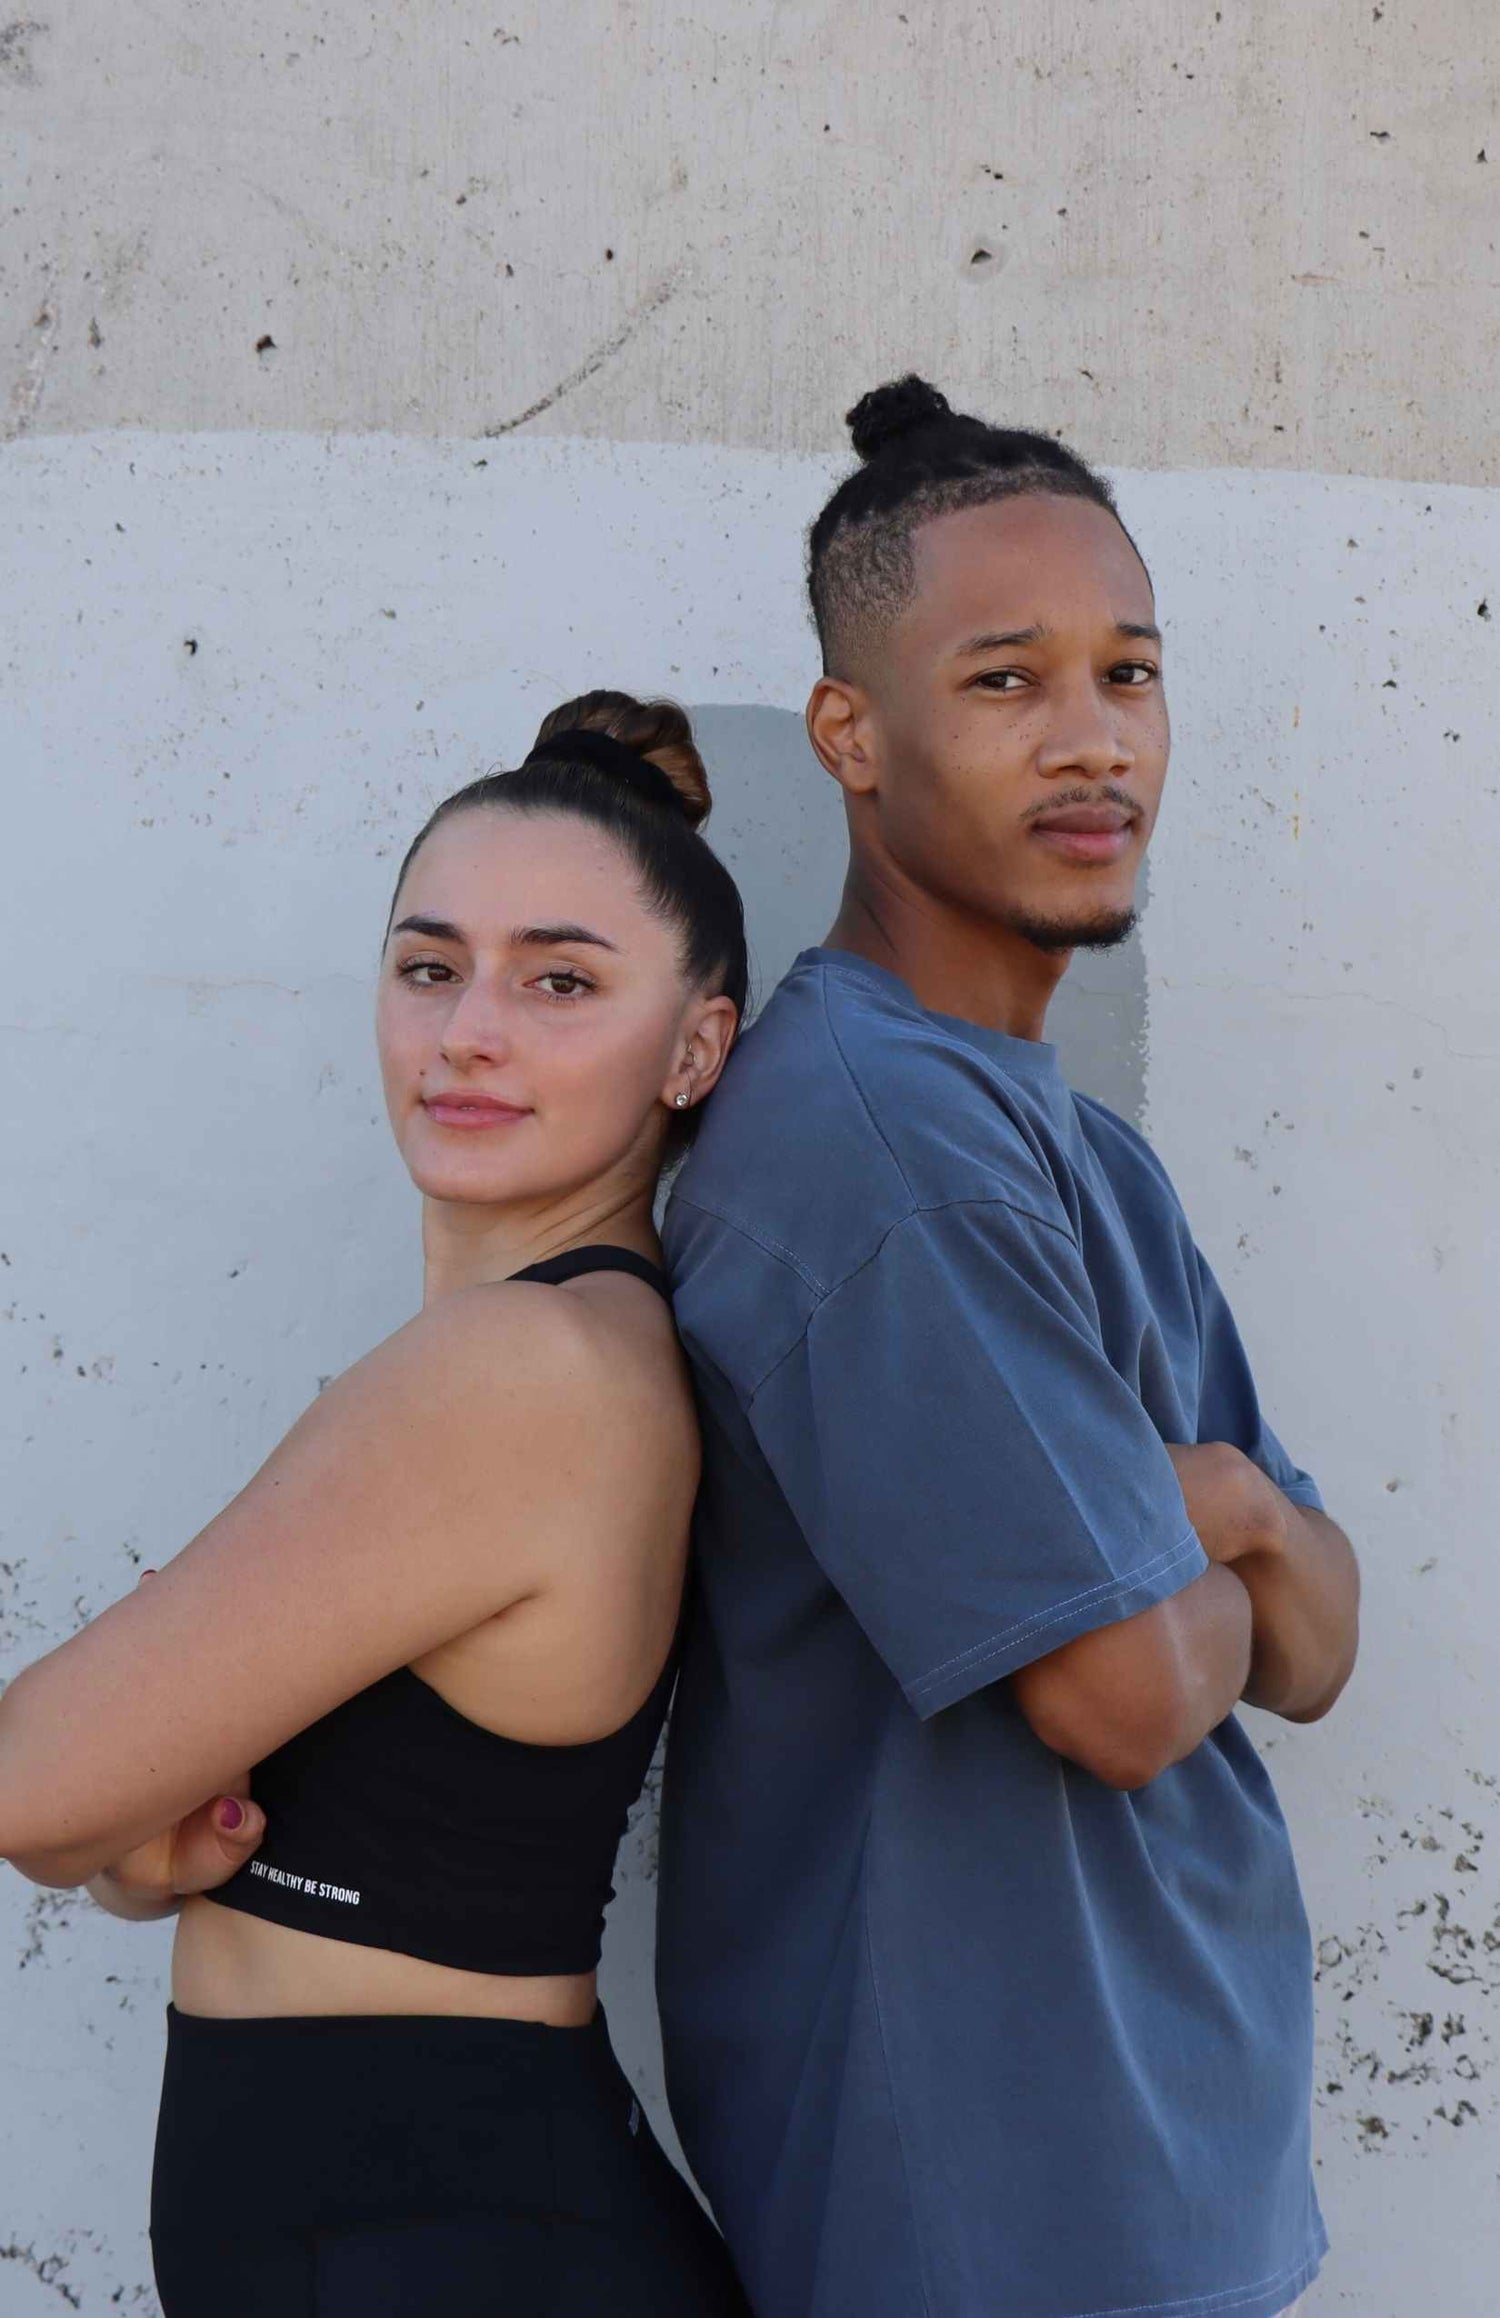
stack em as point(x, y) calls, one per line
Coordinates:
point(553, 1270)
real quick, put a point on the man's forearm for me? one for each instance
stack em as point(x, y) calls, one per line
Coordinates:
point(1298, 1569)
point(1128, 1700)
point(1304, 1593)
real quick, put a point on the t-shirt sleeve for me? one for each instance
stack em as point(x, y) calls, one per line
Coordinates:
point(1228, 1404)
point(973, 1476)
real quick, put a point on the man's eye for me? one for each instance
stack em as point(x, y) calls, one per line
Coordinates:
point(1135, 673)
point(1001, 679)
point(427, 973)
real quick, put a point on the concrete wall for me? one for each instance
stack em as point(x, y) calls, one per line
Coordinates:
point(264, 603)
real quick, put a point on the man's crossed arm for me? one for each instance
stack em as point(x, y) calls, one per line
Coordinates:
point(1275, 1621)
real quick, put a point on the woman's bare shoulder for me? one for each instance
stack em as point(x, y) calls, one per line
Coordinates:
point(522, 1350)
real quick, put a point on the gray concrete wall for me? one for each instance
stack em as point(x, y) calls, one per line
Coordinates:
point(262, 607)
point(1194, 235)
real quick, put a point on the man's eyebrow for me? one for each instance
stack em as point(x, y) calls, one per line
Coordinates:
point(551, 937)
point(1038, 633)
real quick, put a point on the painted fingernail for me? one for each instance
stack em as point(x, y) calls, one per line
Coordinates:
point(230, 1814)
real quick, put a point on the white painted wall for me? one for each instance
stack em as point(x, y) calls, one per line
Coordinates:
point(200, 1218)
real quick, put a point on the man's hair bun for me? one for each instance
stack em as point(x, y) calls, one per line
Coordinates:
point(656, 731)
point(886, 413)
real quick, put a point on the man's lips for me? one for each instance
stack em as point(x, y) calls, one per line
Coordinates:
point(472, 1111)
point(1085, 833)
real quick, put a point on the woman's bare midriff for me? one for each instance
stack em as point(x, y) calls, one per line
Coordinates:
point(228, 1966)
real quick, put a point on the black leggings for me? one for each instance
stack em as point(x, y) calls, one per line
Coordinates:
point(424, 2167)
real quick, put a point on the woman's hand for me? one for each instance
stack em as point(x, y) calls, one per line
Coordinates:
point(199, 1853)
point(203, 1849)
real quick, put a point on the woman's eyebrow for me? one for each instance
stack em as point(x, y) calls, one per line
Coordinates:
point(550, 937)
point(436, 929)
point(523, 937)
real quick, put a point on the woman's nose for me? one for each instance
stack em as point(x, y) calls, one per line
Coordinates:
point(477, 1030)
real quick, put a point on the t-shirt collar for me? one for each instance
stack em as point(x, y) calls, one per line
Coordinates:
point(1035, 1059)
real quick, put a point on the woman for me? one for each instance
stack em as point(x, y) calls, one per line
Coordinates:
point(440, 1621)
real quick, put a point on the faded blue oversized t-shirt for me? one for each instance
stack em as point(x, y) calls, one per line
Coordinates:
point(953, 2030)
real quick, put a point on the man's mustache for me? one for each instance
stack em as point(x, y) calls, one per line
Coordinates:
point(1109, 794)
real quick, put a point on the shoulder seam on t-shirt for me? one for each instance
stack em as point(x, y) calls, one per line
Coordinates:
point(829, 973)
point(825, 1295)
point(757, 1238)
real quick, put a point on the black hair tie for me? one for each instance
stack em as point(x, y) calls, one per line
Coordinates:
point(580, 744)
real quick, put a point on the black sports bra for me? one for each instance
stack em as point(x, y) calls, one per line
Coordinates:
point(395, 1822)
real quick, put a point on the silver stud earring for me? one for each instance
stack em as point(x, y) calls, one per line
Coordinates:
point(681, 1101)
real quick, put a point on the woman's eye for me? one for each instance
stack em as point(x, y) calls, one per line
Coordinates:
point(571, 983)
point(427, 973)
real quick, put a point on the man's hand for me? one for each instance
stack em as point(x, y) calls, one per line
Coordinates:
point(1298, 1568)
point(200, 1852)
point(1235, 1508)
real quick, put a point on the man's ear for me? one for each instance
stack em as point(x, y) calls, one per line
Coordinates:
point(838, 728)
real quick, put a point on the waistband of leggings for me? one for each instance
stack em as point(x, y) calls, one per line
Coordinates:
point(428, 2032)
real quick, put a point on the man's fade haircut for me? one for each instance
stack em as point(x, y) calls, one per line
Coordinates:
point(921, 458)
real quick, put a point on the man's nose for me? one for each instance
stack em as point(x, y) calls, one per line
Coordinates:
point(1087, 736)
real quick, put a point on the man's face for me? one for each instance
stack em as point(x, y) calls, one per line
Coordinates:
point(1016, 723)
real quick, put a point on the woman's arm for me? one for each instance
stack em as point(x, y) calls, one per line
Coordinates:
point(434, 1485)
point(198, 1854)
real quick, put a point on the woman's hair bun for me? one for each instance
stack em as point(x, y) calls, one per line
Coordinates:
point(656, 730)
point(886, 413)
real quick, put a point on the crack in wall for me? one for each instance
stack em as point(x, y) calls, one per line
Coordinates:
point(618, 339)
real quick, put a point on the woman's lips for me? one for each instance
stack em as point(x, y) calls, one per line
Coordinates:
point(471, 1112)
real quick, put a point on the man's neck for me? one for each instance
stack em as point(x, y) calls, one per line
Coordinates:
point(981, 972)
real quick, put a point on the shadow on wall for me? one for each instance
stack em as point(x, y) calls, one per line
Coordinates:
point(778, 825)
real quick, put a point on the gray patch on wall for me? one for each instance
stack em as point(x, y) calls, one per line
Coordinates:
point(779, 826)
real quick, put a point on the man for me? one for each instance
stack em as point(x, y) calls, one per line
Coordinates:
point(984, 1976)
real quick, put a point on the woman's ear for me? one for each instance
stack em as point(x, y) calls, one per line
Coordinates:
point(708, 1033)
point(837, 728)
